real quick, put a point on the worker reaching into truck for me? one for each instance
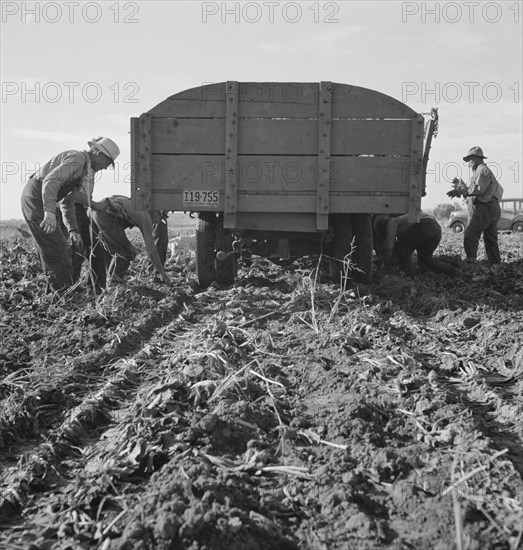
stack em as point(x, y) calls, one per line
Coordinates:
point(61, 179)
point(485, 192)
point(110, 227)
point(397, 238)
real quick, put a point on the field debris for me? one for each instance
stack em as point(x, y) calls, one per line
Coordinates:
point(280, 412)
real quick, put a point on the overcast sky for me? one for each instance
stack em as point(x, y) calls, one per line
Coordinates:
point(75, 70)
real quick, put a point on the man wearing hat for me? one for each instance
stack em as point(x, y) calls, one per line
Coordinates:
point(82, 201)
point(61, 179)
point(485, 192)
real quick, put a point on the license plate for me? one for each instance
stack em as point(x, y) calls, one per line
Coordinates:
point(201, 197)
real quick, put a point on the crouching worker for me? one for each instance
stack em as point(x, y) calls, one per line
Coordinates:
point(60, 179)
point(110, 226)
point(398, 237)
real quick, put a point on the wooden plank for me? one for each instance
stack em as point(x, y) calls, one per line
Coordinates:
point(273, 221)
point(277, 203)
point(231, 155)
point(324, 156)
point(172, 200)
point(340, 203)
point(415, 169)
point(295, 99)
point(279, 173)
point(168, 199)
point(143, 172)
point(186, 108)
point(283, 137)
point(370, 204)
point(135, 141)
point(255, 99)
point(357, 102)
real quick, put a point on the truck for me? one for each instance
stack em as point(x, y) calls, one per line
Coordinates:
point(281, 170)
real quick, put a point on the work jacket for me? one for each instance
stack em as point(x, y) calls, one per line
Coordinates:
point(484, 187)
point(60, 179)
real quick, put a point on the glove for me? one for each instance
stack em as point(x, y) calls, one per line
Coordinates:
point(454, 194)
point(76, 240)
point(49, 223)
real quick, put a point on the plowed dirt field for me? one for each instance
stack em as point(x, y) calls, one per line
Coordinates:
point(281, 412)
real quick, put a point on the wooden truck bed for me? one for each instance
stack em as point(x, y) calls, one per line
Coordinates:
point(278, 156)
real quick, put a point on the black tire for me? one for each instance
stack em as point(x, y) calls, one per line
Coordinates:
point(341, 244)
point(363, 254)
point(205, 241)
point(458, 227)
point(518, 227)
point(225, 271)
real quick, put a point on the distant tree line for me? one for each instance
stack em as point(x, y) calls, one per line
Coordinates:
point(443, 211)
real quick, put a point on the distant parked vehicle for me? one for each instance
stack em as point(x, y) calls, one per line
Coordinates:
point(511, 217)
point(458, 220)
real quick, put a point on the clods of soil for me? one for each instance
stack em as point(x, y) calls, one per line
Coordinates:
point(280, 412)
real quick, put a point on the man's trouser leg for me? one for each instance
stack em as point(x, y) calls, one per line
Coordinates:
point(53, 249)
point(429, 239)
point(490, 233)
point(80, 254)
point(430, 232)
point(407, 241)
point(484, 215)
point(99, 261)
point(161, 239)
point(112, 234)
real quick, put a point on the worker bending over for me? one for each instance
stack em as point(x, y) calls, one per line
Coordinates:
point(398, 237)
point(111, 225)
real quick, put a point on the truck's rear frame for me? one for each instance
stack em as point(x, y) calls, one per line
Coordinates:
point(279, 159)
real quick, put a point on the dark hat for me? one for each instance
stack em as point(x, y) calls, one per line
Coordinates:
point(474, 152)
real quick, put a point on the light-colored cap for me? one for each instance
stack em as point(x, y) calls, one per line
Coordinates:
point(106, 146)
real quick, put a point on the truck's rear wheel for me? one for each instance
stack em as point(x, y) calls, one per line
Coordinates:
point(363, 254)
point(205, 241)
point(225, 270)
point(341, 245)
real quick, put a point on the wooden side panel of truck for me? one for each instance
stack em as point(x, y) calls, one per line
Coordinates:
point(278, 158)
